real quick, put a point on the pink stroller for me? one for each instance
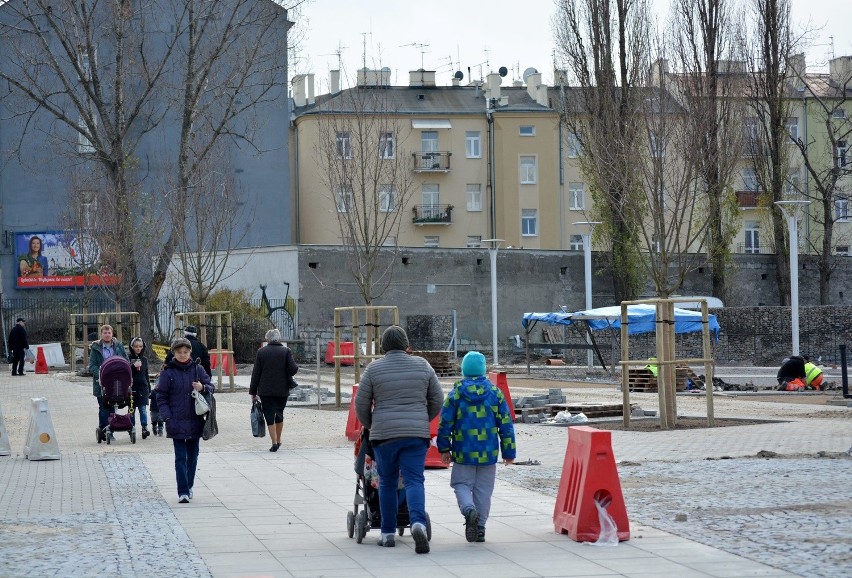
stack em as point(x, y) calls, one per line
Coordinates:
point(116, 387)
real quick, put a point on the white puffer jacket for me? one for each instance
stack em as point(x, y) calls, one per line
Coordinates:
point(398, 396)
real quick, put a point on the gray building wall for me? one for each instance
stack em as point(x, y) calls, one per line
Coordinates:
point(35, 167)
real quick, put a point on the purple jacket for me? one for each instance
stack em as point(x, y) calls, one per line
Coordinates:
point(175, 401)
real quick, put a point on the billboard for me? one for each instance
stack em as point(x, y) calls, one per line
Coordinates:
point(58, 259)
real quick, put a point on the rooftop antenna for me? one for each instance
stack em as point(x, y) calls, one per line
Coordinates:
point(364, 49)
point(422, 47)
point(337, 52)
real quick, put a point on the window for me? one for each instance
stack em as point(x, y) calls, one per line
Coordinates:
point(474, 197)
point(751, 138)
point(431, 241)
point(344, 145)
point(841, 210)
point(792, 185)
point(87, 63)
point(842, 250)
point(528, 172)
point(390, 241)
point(429, 141)
point(431, 194)
point(838, 113)
point(345, 202)
point(577, 196)
point(750, 180)
point(793, 128)
point(576, 243)
point(84, 145)
point(387, 149)
point(842, 153)
point(387, 198)
point(657, 145)
point(575, 145)
point(752, 237)
point(528, 222)
point(526, 130)
point(474, 241)
point(472, 145)
point(655, 244)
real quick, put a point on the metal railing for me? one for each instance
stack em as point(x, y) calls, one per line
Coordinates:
point(432, 161)
point(432, 214)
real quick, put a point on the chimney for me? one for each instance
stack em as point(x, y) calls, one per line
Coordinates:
point(840, 70)
point(536, 89)
point(310, 83)
point(334, 81)
point(659, 69)
point(372, 77)
point(298, 86)
point(796, 67)
point(560, 77)
point(421, 77)
point(492, 86)
point(456, 81)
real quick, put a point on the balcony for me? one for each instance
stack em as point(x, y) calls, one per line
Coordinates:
point(432, 214)
point(748, 199)
point(750, 248)
point(434, 162)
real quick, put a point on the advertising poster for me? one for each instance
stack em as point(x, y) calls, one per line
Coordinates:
point(58, 259)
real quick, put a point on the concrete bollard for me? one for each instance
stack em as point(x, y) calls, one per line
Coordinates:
point(5, 447)
point(41, 438)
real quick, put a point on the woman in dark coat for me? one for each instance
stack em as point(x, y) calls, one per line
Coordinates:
point(177, 408)
point(141, 387)
point(272, 379)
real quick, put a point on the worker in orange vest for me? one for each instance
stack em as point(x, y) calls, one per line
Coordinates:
point(813, 374)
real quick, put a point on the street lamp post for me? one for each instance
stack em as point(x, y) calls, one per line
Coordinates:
point(791, 210)
point(492, 252)
point(587, 228)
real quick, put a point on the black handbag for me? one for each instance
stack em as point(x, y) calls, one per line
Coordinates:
point(258, 423)
point(211, 427)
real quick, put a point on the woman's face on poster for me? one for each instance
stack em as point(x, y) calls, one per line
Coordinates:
point(35, 245)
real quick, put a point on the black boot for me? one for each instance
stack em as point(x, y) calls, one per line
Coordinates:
point(145, 432)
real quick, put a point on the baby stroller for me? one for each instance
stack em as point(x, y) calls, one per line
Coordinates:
point(367, 495)
point(116, 384)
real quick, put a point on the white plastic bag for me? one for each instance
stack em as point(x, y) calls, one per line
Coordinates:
point(201, 406)
point(609, 529)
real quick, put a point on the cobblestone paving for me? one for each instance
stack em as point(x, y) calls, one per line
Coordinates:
point(794, 514)
point(108, 519)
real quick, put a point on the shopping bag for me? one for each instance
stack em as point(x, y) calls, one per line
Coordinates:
point(211, 427)
point(201, 406)
point(29, 356)
point(258, 423)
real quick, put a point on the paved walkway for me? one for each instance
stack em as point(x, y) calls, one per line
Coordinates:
point(113, 509)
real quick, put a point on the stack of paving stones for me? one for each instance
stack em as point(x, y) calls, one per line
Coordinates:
point(533, 408)
point(443, 362)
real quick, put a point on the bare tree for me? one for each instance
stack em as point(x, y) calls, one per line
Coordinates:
point(205, 240)
point(709, 87)
point(108, 74)
point(367, 171)
point(767, 136)
point(826, 159)
point(604, 44)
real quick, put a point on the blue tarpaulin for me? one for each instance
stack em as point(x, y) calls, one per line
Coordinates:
point(641, 318)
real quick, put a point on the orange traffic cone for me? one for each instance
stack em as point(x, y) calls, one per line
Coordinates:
point(41, 362)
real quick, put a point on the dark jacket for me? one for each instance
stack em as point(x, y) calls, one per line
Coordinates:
point(398, 396)
point(141, 385)
point(96, 358)
point(18, 338)
point(199, 351)
point(792, 368)
point(273, 371)
point(175, 402)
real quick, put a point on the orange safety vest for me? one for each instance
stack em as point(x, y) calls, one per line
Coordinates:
point(811, 372)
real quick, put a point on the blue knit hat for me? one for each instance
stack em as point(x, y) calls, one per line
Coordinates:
point(473, 364)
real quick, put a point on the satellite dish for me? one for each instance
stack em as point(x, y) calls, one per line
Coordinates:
point(386, 69)
point(458, 75)
point(529, 72)
point(503, 71)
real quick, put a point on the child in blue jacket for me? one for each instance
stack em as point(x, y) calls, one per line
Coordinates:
point(475, 425)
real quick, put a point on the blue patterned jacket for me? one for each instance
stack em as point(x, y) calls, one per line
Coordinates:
point(475, 423)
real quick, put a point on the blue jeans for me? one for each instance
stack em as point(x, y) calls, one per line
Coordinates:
point(143, 415)
point(103, 413)
point(406, 456)
point(186, 458)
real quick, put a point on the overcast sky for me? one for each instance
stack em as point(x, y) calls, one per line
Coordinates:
point(482, 36)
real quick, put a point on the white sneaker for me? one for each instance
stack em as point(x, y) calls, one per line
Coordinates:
point(183, 499)
point(421, 541)
point(190, 493)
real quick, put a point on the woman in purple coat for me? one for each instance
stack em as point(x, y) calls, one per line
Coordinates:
point(177, 408)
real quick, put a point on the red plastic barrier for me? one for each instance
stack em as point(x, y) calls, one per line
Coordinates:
point(433, 456)
point(498, 378)
point(588, 472)
point(347, 348)
point(353, 426)
point(41, 362)
point(228, 364)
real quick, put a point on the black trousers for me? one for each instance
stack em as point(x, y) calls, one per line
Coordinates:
point(18, 361)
